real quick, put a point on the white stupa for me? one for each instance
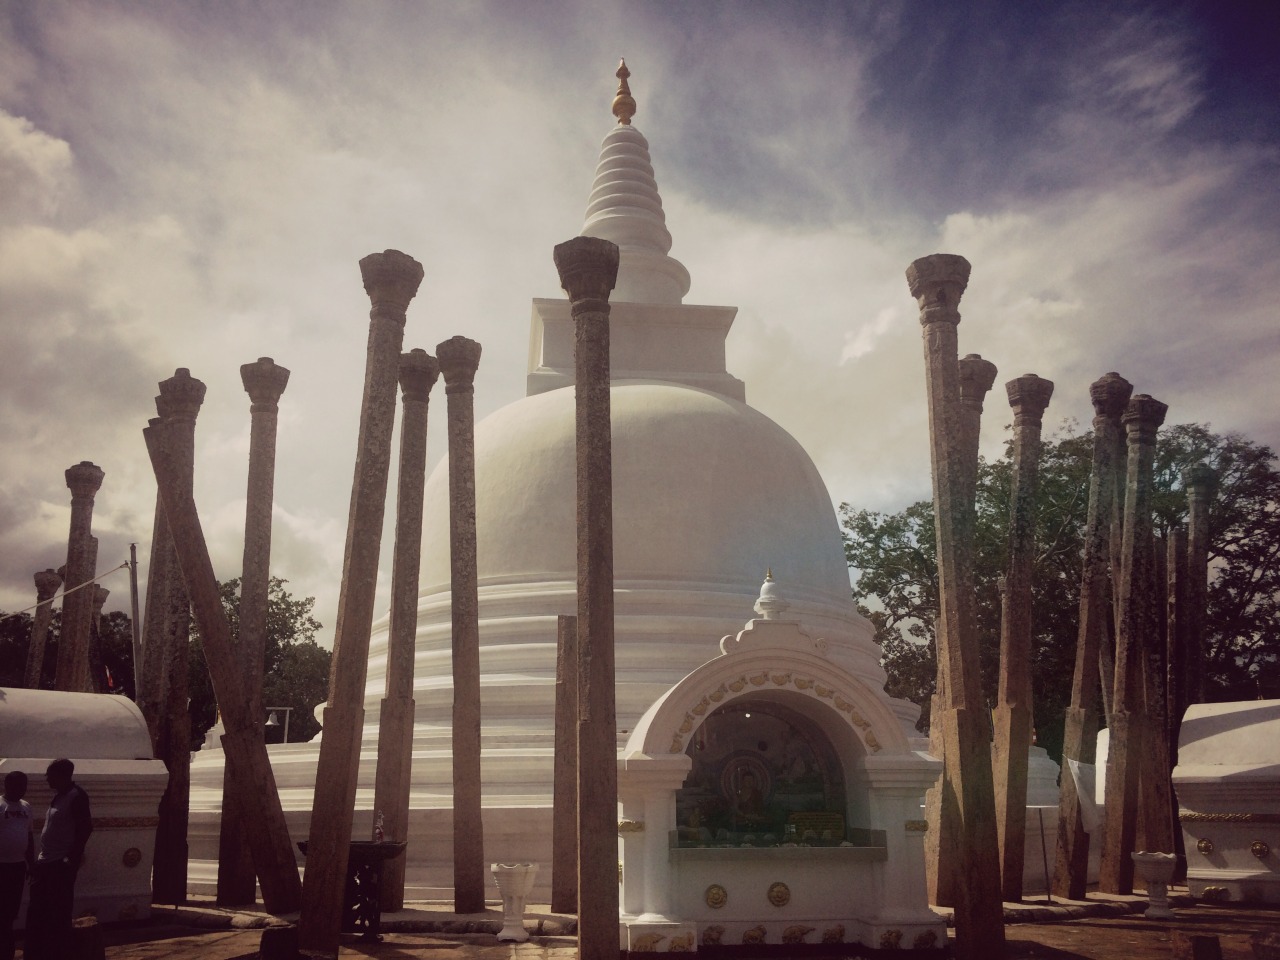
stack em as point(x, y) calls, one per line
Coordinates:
point(709, 493)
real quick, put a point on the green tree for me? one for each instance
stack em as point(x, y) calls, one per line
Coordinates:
point(115, 639)
point(296, 667)
point(895, 570)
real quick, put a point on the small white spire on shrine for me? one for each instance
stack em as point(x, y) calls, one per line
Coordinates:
point(770, 604)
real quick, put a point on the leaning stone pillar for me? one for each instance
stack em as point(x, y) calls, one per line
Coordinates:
point(47, 583)
point(1200, 482)
point(564, 802)
point(1110, 396)
point(391, 280)
point(418, 373)
point(84, 480)
point(97, 668)
point(1141, 420)
point(1029, 397)
point(180, 399)
point(459, 358)
point(588, 269)
point(937, 283)
point(265, 382)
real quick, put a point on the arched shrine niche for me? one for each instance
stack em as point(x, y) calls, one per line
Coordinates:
point(764, 773)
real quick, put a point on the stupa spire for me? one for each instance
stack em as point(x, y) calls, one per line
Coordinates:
point(626, 209)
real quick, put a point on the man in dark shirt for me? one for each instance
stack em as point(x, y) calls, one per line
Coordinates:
point(66, 831)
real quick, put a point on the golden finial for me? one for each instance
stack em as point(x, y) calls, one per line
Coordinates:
point(768, 573)
point(624, 107)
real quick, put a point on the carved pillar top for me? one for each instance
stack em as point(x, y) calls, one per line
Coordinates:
point(84, 480)
point(264, 381)
point(391, 279)
point(100, 594)
point(47, 583)
point(1110, 394)
point(418, 373)
point(938, 282)
point(1142, 418)
point(1200, 481)
point(1029, 397)
point(976, 377)
point(180, 396)
point(457, 359)
point(588, 268)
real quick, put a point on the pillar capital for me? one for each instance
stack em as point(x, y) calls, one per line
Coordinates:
point(418, 373)
point(938, 282)
point(457, 359)
point(1029, 397)
point(391, 279)
point(588, 267)
point(47, 583)
point(264, 381)
point(1142, 418)
point(1200, 480)
point(976, 377)
point(84, 479)
point(180, 396)
point(100, 594)
point(1110, 394)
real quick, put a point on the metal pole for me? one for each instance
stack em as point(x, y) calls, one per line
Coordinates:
point(133, 623)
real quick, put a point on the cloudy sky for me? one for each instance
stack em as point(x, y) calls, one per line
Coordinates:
point(192, 185)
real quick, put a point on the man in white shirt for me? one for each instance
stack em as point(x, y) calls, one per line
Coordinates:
point(17, 853)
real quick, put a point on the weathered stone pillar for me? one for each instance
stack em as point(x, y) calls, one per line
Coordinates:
point(1029, 397)
point(459, 358)
point(1110, 396)
point(937, 283)
point(180, 399)
point(391, 279)
point(47, 583)
point(1107, 657)
point(588, 269)
point(84, 480)
point(1141, 420)
point(564, 803)
point(256, 796)
point(1177, 682)
point(265, 382)
point(1200, 482)
point(1155, 790)
point(418, 373)
point(97, 668)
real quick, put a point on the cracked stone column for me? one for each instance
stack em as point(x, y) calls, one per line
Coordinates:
point(588, 269)
point(391, 279)
point(181, 397)
point(418, 373)
point(1014, 716)
point(564, 802)
point(84, 481)
point(47, 584)
point(937, 282)
point(1141, 420)
point(1110, 396)
point(459, 358)
point(1200, 482)
point(265, 382)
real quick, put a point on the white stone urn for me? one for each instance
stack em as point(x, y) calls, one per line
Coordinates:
point(1155, 870)
point(515, 881)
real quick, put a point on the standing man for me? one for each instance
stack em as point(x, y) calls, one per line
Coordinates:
point(53, 879)
point(17, 853)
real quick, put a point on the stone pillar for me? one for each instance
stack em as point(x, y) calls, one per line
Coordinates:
point(256, 796)
point(1110, 396)
point(564, 803)
point(937, 283)
point(265, 382)
point(84, 480)
point(418, 373)
point(1200, 482)
point(180, 399)
point(391, 279)
point(1014, 717)
point(1141, 420)
point(97, 668)
point(1177, 682)
point(1155, 789)
point(459, 358)
point(588, 269)
point(1107, 657)
point(47, 583)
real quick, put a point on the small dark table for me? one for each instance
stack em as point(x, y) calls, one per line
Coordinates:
point(362, 909)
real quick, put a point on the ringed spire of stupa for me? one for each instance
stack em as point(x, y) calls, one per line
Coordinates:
point(626, 209)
